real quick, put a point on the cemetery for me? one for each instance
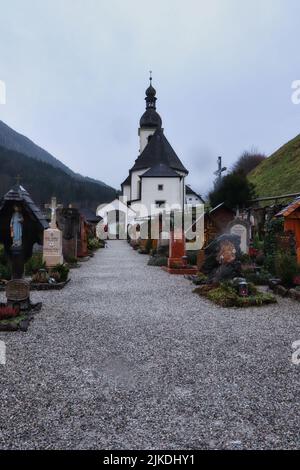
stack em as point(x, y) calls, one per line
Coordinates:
point(22, 270)
point(149, 228)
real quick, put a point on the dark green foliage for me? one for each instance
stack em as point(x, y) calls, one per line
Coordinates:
point(43, 181)
point(257, 243)
point(259, 279)
point(227, 296)
point(5, 272)
point(34, 264)
point(158, 261)
point(234, 190)
point(63, 272)
point(71, 260)
point(199, 279)
point(273, 228)
point(2, 255)
point(94, 244)
point(286, 268)
point(192, 258)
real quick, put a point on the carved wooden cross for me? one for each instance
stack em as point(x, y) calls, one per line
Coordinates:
point(53, 206)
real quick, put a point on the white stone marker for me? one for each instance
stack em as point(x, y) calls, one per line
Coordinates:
point(52, 247)
point(242, 232)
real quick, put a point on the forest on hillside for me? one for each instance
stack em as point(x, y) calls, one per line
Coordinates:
point(43, 181)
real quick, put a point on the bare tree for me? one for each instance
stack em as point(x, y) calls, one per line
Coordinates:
point(248, 161)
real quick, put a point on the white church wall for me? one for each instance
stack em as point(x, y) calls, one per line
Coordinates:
point(135, 183)
point(171, 192)
point(126, 191)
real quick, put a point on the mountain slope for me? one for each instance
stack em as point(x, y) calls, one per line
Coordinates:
point(280, 173)
point(44, 181)
point(12, 140)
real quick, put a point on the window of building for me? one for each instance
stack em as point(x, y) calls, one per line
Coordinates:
point(160, 187)
point(160, 203)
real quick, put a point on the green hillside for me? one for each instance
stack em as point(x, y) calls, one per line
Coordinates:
point(280, 173)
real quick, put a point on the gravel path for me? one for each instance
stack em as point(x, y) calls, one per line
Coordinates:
point(126, 357)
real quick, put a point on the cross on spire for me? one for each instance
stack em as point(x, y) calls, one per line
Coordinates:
point(150, 78)
point(53, 206)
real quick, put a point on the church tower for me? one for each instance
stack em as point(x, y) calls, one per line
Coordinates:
point(150, 120)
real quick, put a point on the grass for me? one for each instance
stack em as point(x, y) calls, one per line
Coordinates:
point(13, 321)
point(278, 174)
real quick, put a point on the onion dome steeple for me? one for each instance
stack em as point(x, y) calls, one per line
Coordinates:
point(150, 117)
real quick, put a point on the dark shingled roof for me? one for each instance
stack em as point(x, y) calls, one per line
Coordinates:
point(18, 193)
point(160, 171)
point(158, 150)
point(90, 216)
point(127, 181)
point(150, 118)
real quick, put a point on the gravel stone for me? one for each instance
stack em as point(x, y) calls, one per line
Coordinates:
point(127, 357)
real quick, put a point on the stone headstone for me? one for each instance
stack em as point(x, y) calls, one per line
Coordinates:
point(82, 240)
point(52, 249)
point(241, 228)
point(222, 257)
point(68, 222)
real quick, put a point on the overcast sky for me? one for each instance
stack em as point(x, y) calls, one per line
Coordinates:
point(76, 73)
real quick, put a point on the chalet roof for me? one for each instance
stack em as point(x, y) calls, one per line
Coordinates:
point(18, 193)
point(158, 150)
point(290, 208)
point(90, 215)
point(160, 171)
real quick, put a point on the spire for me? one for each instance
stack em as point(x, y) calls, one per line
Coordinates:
point(150, 118)
point(150, 94)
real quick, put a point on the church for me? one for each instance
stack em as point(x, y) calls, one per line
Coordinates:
point(157, 178)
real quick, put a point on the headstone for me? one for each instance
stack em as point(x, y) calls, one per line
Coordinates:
point(68, 223)
point(52, 248)
point(222, 258)
point(241, 228)
point(82, 240)
point(176, 249)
